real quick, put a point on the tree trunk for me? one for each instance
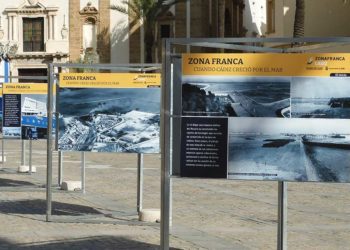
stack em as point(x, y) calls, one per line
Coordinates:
point(149, 43)
point(299, 21)
point(221, 18)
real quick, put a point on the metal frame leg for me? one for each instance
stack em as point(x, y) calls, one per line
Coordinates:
point(23, 154)
point(83, 172)
point(139, 182)
point(30, 155)
point(60, 168)
point(3, 152)
point(282, 216)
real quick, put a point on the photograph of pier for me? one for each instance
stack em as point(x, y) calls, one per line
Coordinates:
point(236, 96)
point(109, 120)
point(289, 149)
point(320, 97)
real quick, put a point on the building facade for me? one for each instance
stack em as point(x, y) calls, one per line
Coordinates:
point(40, 31)
point(89, 31)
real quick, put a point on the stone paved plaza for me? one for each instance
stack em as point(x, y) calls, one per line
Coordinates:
point(207, 214)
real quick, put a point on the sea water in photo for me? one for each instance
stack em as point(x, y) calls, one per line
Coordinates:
point(320, 97)
point(289, 149)
point(236, 96)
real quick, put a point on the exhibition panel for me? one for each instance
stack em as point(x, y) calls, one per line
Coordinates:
point(109, 112)
point(108, 108)
point(25, 111)
point(278, 117)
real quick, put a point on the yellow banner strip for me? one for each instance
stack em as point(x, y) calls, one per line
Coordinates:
point(109, 80)
point(25, 88)
point(239, 64)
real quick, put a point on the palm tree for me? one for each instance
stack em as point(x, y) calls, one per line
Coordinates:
point(299, 19)
point(221, 19)
point(148, 11)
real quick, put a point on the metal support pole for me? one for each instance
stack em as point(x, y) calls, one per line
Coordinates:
point(139, 182)
point(30, 155)
point(188, 23)
point(83, 172)
point(49, 145)
point(3, 152)
point(165, 149)
point(23, 153)
point(60, 167)
point(282, 216)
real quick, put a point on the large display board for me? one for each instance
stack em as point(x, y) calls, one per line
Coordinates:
point(109, 112)
point(24, 110)
point(266, 116)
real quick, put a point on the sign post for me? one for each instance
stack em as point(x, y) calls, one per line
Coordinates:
point(245, 102)
point(122, 110)
point(139, 182)
point(82, 172)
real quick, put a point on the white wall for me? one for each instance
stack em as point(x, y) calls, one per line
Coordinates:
point(119, 28)
point(322, 18)
point(63, 6)
point(327, 18)
point(254, 17)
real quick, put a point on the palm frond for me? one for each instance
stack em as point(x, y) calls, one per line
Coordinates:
point(120, 9)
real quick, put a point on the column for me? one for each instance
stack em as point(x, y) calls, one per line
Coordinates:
point(12, 28)
point(9, 27)
point(49, 27)
point(53, 27)
point(15, 25)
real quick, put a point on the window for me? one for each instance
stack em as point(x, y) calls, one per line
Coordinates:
point(165, 31)
point(271, 16)
point(33, 34)
point(32, 72)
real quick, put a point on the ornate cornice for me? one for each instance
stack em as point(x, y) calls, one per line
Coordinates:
point(89, 10)
point(31, 7)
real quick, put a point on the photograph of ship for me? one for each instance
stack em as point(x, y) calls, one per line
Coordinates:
point(289, 149)
point(236, 96)
point(109, 120)
point(34, 116)
point(320, 97)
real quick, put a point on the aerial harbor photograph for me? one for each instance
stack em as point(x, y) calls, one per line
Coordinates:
point(236, 96)
point(289, 149)
point(320, 97)
point(109, 120)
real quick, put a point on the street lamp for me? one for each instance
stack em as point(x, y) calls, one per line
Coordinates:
point(7, 51)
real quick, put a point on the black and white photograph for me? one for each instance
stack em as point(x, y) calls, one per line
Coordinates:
point(109, 120)
point(320, 97)
point(12, 132)
point(236, 96)
point(289, 149)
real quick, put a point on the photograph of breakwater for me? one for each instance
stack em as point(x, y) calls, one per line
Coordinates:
point(289, 149)
point(236, 96)
point(320, 97)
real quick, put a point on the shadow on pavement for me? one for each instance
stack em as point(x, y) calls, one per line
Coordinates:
point(88, 243)
point(14, 183)
point(38, 206)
